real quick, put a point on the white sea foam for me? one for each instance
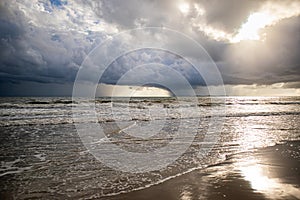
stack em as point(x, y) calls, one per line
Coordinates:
point(10, 168)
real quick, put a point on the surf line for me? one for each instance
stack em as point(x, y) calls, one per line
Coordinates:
point(127, 127)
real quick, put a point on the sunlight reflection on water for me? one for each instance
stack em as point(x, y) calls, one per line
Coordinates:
point(260, 178)
point(260, 170)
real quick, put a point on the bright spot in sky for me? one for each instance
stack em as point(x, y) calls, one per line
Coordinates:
point(250, 29)
point(131, 91)
point(184, 7)
point(268, 15)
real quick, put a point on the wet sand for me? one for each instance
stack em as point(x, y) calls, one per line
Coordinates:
point(268, 173)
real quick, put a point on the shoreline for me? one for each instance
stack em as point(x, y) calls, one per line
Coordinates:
point(268, 173)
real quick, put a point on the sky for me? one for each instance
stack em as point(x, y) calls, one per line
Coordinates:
point(254, 44)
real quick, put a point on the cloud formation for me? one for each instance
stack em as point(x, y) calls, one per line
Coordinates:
point(252, 42)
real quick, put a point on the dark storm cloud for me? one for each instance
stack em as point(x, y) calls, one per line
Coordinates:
point(130, 61)
point(46, 41)
point(34, 52)
point(37, 56)
point(9, 30)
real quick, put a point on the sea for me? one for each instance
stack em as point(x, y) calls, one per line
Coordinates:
point(43, 155)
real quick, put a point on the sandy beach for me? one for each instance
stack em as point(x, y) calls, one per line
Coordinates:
point(268, 173)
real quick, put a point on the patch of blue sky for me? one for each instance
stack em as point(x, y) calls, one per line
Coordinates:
point(58, 3)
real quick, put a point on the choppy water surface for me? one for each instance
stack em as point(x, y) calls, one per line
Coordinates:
point(42, 155)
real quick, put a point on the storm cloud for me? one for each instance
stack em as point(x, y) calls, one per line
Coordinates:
point(45, 42)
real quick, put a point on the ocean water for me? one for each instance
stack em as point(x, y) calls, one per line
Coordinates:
point(43, 156)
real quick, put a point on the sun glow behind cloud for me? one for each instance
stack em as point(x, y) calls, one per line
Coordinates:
point(250, 29)
point(131, 91)
point(268, 15)
point(184, 7)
